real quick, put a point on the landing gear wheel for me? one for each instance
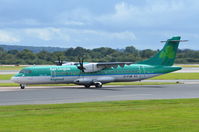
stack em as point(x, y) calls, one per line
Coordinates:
point(98, 85)
point(87, 86)
point(22, 86)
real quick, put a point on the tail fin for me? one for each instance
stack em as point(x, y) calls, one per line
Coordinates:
point(167, 55)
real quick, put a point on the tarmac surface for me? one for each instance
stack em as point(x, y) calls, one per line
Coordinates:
point(3, 72)
point(188, 70)
point(75, 94)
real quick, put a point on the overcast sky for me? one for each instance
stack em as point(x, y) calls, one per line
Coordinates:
point(97, 23)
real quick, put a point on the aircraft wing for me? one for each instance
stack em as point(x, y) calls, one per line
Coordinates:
point(112, 64)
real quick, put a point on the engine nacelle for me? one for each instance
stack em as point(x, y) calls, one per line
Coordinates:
point(92, 67)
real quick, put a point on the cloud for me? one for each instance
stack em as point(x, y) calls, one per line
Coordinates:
point(75, 23)
point(100, 34)
point(121, 15)
point(79, 23)
point(46, 34)
point(70, 37)
point(156, 13)
point(7, 37)
point(77, 17)
point(96, 38)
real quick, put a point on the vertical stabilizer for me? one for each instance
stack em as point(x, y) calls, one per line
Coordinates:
point(167, 55)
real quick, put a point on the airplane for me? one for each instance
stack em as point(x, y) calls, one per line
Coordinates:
point(97, 74)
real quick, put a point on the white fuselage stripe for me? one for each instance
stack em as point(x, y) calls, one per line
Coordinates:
point(71, 79)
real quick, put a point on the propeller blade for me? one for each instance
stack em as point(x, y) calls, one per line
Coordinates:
point(81, 67)
point(60, 62)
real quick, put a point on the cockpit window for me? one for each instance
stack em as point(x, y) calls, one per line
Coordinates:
point(25, 71)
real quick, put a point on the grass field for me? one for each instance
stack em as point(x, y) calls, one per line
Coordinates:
point(5, 76)
point(179, 115)
point(194, 66)
point(176, 76)
point(11, 67)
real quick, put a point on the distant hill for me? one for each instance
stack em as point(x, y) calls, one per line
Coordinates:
point(32, 48)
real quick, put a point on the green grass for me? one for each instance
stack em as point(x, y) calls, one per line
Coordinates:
point(175, 76)
point(179, 115)
point(11, 67)
point(196, 66)
point(5, 76)
point(8, 85)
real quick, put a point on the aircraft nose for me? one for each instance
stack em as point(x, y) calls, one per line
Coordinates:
point(14, 79)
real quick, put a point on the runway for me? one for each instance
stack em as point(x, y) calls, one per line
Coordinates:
point(4, 72)
point(75, 94)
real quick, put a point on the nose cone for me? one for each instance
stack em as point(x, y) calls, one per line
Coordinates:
point(14, 79)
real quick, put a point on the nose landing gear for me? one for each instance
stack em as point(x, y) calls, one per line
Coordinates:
point(22, 86)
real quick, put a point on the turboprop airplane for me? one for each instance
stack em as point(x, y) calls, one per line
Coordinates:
point(97, 74)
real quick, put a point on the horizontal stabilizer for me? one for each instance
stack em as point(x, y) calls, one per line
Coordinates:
point(174, 41)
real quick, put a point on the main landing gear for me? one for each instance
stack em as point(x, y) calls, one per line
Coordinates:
point(22, 86)
point(97, 85)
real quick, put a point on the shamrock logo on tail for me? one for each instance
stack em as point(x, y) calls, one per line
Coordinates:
point(168, 53)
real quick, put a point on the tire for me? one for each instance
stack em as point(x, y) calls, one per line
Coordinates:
point(98, 85)
point(22, 86)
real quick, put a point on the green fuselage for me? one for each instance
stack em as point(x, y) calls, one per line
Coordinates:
point(71, 74)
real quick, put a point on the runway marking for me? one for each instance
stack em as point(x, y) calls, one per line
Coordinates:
point(3, 89)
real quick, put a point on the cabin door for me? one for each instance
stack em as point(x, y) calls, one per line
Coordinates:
point(53, 74)
point(81, 75)
point(142, 72)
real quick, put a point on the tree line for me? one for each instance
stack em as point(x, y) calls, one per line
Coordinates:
point(103, 54)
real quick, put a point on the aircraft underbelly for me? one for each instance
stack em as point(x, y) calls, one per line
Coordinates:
point(32, 80)
point(45, 80)
point(114, 78)
point(133, 77)
point(84, 79)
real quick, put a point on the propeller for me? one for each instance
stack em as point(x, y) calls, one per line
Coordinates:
point(81, 65)
point(59, 62)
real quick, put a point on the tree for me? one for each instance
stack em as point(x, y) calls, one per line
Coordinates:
point(26, 55)
point(147, 53)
